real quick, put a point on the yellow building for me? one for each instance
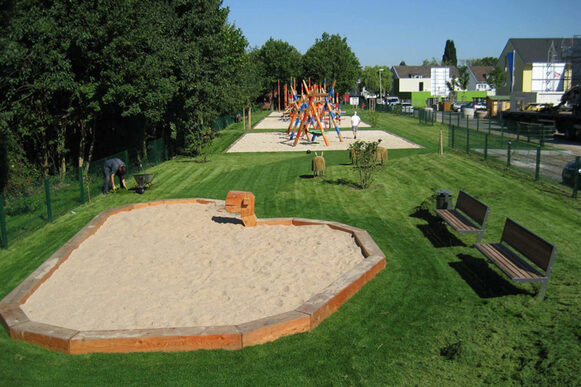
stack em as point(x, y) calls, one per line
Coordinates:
point(536, 70)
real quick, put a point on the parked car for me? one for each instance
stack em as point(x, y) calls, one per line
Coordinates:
point(568, 174)
point(475, 106)
point(457, 106)
point(392, 100)
point(407, 108)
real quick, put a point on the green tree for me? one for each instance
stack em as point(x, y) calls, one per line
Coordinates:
point(496, 78)
point(432, 62)
point(402, 63)
point(370, 79)
point(277, 61)
point(486, 61)
point(449, 57)
point(331, 58)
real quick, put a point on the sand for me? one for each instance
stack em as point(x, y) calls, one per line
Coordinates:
point(280, 142)
point(260, 141)
point(181, 265)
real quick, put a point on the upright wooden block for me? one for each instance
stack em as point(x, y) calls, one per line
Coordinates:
point(242, 202)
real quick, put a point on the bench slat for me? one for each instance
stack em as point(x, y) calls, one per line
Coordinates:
point(509, 262)
point(458, 221)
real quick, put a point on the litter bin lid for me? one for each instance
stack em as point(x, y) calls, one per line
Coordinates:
point(443, 192)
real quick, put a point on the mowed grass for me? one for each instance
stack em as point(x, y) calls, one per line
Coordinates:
point(439, 314)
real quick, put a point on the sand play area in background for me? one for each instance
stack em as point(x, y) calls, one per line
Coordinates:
point(184, 265)
point(274, 121)
point(280, 142)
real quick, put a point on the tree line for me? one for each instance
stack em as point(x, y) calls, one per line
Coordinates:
point(83, 80)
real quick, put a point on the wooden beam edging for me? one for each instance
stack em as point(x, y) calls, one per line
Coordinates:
point(303, 319)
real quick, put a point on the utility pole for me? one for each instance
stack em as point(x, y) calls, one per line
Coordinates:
point(380, 88)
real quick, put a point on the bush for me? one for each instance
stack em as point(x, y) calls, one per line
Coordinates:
point(363, 155)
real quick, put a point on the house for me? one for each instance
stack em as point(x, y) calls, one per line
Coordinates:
point(536, 70)
point(477, 79)
point(420, 83)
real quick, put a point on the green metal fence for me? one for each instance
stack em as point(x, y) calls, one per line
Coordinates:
point(46, 199)
point(514, 149)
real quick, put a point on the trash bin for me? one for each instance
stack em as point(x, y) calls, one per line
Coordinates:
point(443, 199)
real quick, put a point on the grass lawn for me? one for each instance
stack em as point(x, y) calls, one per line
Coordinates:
point(439, 314)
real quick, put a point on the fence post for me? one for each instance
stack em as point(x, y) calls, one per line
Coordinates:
point(501, 134)
point(3, 223)
point(576, 176)
point(82, 188)
point(508, 148)
point(48, 201)
point(477, 123)
point(538, 167)
point(489, 124)
point(467, 122)
point(485, 146)
point(458, 119)
point(449, 118)
point(467, 140)
point(452, 136)
point(517, 131)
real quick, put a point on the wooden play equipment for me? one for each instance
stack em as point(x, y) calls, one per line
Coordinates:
point(308, 112)
point(242, 202)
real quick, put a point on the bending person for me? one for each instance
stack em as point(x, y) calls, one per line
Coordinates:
point(111, 168)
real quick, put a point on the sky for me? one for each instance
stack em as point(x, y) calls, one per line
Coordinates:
point(387, 32)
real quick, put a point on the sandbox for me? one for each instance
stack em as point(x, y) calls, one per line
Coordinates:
point(127, 283)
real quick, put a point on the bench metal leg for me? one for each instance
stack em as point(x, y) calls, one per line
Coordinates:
point(543, 290)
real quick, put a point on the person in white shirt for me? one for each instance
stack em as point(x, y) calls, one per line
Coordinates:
point(355, 120)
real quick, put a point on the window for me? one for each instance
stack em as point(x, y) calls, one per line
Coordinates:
point(421, 84)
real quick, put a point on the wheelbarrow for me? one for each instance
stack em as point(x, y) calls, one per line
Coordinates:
point(143, 181)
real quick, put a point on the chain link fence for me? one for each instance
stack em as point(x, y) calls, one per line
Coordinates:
point(43, 199)
point(526, 146)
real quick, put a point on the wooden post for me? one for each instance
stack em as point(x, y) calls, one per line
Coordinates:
point(244, 118)
point(278, 93)
point(441, 144)
point(250, 118)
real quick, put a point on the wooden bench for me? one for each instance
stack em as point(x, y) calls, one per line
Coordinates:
point(537, 255)
point(468, 217)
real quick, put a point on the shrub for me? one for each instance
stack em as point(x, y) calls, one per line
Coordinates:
point(363, 155)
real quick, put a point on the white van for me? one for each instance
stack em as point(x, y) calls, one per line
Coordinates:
point(392, 100)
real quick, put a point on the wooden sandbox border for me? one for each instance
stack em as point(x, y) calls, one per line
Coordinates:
point(304, 318)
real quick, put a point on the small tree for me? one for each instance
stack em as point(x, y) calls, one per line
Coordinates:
point(363, 158)
point(198, 143)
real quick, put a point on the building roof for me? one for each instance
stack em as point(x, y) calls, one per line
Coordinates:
point(536, 50)
point(480, 72)
point(423, 71)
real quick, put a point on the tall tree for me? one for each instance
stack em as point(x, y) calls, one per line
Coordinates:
point(449, 57)
point(370, 79)
point(331, 58)
point(278, 61)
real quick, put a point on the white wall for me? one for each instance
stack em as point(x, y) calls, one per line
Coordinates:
point(413, 84)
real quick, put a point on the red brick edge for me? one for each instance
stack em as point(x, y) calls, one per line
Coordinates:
point(303, 319)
